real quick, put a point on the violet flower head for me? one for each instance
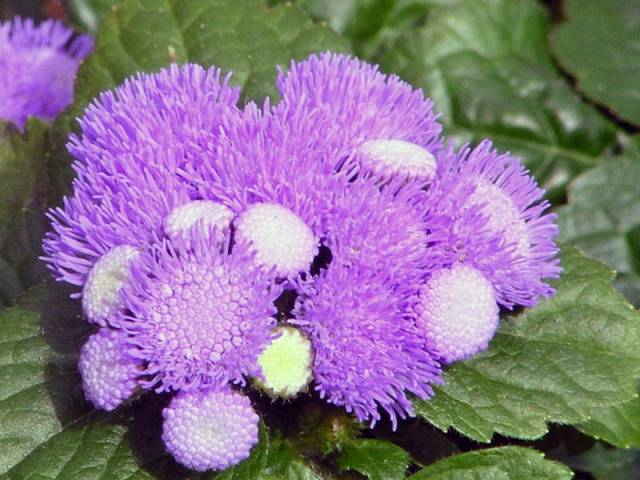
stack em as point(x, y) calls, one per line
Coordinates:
point(209, 429)
point(386, 127)
point(38, 65)
point(132, 141)
point(109, 373)
point(382, 229)
point(270, 155)
point(369, 354)
point(198, 315)
point(485, 209)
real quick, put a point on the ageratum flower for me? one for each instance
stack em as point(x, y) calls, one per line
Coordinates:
point(38, 65)
point(382, 229)
point(369, 355)
point(132, 141)
point(210, 429)
point(198, 315)
point(487, 211)
point(269, 169)
point(109, 373)
point(385, 127)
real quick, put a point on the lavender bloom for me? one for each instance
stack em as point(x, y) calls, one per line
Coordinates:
point(369, 354)
point(485, 209)
point(199, 316)
point(270, 156)
point(132, 142)
point(385, 126)
point(210, 430)
point(38, 65)
point(109, 373)
point(382, 229)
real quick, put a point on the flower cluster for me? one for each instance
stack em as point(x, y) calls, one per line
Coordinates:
point(192, 216)
point(38, 66)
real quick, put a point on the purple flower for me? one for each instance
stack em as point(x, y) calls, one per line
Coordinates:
point(132, 142)
point(210, 430)
point(369, 353)
point(198, 315)
point(38, 66)
point(486, 210)
point(458, 312)
point(109, 373)
point(270, 156)
point(382, 229)
point(385, 126)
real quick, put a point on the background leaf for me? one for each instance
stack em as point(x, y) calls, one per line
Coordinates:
point(24, 188)
point(611, 463)
point(603, 218)
point(553, 363)
point(600, 45)
point(486, 65)
point(618, 424)
point(376, 459)
point(506, 463)
point(88, 13)
point(243, 36)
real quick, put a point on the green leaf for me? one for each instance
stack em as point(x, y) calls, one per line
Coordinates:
point(369, 24)
point(23, 194)
point(557, 362)
point(618, 424)
point(89, 13)
point(90, 450)
point(506, 463)
point(39, 387)
point(245, 37)
point(611, 463)
point(486, 65)
point(377, 459)
point(603, 219)
point(599, 44)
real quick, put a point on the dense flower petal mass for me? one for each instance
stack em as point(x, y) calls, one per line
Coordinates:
point(356, 103)
point(488, 211)
point(210, 430)
point(369, 354)
point(193, 223)
point(38, 65)
point(132, 142)
point(199, 316)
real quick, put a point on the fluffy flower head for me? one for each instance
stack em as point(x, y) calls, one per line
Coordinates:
point(488, 211)
point(369, 355)
point(38, 65)
point(199, 315)
point(384, 125)
point(209, 430)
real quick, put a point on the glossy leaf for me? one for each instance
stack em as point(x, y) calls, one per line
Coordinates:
point(603, 219)
point(376, 459)
point(506, 463)
point(486, 65)
point(556, 362)
point(600, 45)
